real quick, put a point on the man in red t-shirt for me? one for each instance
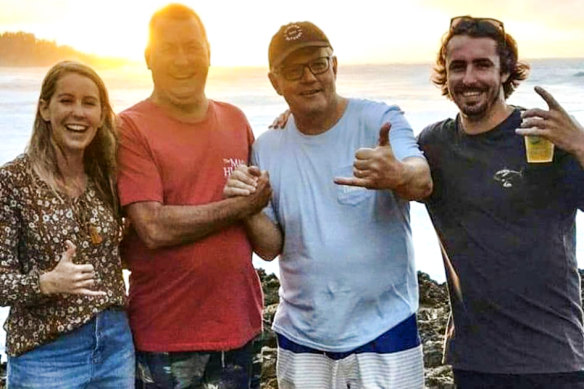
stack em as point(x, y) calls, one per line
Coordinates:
point(195, 299)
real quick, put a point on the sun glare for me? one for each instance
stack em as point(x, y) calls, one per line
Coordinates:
point(240, 31)
point(107, 33)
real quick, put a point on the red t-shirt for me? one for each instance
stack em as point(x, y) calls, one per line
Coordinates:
point(199, 296)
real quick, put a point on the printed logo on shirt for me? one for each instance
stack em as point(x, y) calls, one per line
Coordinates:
point(229, 165)
point(508, 177)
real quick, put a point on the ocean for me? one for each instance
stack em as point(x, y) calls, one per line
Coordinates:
point(407, 85)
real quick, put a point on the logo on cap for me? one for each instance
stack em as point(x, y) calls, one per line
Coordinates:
point(292, 32)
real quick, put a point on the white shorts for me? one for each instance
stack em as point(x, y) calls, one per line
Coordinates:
point(368, 367)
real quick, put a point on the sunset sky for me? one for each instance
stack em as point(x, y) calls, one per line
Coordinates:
point(362, 31)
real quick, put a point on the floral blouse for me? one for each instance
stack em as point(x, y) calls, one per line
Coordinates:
point(35, 222)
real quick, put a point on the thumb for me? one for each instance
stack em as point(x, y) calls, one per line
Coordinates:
point(254, 171)
point(69, 253)
point(384, 134)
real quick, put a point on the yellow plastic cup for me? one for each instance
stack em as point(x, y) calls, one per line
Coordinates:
point(538, 149)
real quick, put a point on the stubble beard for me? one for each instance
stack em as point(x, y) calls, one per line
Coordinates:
point(478, 112)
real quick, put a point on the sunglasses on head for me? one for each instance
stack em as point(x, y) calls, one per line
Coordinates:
point(469, 20)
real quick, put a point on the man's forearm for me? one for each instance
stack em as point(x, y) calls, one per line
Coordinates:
point(161, 225)
point(417, 183)
point(266, 237)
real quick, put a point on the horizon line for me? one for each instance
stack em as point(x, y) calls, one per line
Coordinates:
point(125, 62)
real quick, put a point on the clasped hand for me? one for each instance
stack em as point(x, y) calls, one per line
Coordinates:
point(252, 182)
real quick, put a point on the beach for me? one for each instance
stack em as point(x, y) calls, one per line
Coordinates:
point(407, 85)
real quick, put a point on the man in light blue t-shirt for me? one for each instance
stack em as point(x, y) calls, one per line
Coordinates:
point(342, 172)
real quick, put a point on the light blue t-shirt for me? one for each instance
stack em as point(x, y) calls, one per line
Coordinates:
point(347, 266)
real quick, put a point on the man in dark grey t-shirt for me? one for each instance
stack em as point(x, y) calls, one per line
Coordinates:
point(507, 226)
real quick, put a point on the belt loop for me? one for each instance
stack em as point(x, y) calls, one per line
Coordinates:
point(223, 359)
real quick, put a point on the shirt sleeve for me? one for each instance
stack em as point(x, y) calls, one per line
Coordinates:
point(401, 136)
point(16, 287)
point(139, 176)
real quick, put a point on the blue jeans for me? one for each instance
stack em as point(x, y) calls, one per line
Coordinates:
point(97, 355)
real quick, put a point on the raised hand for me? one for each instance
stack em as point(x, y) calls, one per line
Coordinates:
point(554, 124)
point(68, 277)
point(376, 168)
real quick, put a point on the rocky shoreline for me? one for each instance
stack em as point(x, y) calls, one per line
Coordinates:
point(432, 319)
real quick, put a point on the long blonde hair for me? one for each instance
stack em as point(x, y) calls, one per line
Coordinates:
point(99, 158)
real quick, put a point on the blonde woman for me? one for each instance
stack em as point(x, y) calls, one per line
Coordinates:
point(60, 270)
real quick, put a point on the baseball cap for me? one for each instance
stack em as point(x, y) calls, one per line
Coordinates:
point(294, 36)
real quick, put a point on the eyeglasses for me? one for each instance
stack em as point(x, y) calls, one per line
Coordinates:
point(458, 20)
point(295, 72)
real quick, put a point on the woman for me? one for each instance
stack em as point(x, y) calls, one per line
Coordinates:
point(60, 269)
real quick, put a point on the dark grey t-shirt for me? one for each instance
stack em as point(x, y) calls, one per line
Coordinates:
point(508, 228)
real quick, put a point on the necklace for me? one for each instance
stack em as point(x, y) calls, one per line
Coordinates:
point(77, 191)
point(81, 213)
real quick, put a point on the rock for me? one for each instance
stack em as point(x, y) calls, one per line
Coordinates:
point(439, 378)
point(270, 287)
point(270, 312)
point(269, 355)
point(432, 353)
point(271, 383)
point(432, 319)
point(431, 293)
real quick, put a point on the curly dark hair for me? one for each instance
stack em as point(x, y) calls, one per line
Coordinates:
point(506, 49)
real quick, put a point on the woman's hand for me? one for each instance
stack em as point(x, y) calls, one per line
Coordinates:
point(68, 277)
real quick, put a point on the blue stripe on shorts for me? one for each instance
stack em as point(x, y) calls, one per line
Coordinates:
point(403, 336)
